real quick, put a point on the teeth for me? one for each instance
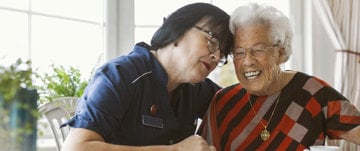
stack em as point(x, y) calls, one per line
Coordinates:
point(252, 74)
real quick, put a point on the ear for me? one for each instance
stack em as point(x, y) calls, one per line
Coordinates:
point(282, 51)
point(281, 55)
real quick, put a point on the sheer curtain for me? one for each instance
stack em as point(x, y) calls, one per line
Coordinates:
point(341, 20)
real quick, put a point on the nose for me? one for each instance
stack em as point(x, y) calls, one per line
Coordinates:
point(215, 57)
point(248, 59)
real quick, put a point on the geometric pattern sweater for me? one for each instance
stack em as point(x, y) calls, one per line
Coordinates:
point(308, 111)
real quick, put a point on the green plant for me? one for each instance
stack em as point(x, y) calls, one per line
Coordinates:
point(18, 105)
point(62, 82)
point(12, 78)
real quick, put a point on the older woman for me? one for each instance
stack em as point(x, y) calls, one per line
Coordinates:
point(151, 98)
point(272, 109)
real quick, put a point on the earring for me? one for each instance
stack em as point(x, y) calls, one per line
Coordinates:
point(175, 44)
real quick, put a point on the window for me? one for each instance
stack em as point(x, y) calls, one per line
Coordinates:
point(59, 32)
point(149, 18)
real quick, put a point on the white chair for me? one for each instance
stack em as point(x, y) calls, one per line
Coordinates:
point(57, 112)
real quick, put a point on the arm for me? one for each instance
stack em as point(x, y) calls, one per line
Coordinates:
point(352, 135)
point(80, 139)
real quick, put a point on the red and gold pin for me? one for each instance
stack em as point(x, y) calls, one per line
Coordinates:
point(153, 109)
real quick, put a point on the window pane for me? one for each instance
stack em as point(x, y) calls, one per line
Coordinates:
point(17, 4)
point(163, 9)
point(63, 42)
point(91, 10)
point(13, 37)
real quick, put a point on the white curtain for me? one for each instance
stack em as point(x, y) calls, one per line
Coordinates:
point(341, 20)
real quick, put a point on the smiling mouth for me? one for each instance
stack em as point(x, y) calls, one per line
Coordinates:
point(252, 74)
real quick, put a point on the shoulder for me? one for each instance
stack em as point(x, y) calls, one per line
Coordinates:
point(306, 80)
point(310, 81)
point(209, 83)
point(229, 91)
point(207, 86)
point(233, 87)
point(128, 67)
point(316, 87)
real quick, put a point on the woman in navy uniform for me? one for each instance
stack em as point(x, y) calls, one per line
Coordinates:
point(151, 98)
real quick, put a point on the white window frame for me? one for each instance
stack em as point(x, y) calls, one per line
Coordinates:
point(30, 14)
point(120, 28)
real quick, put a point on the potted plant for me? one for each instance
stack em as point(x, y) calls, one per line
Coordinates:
point(62, 83)
point(18, 107)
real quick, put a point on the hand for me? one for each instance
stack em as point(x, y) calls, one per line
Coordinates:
point(193, 143)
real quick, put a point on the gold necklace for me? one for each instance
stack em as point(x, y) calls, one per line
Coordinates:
point(265, 134)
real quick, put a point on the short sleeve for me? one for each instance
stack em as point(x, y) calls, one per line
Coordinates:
point(102, 106)
point(341, 115)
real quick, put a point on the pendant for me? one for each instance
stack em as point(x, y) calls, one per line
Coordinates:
point(265, 134)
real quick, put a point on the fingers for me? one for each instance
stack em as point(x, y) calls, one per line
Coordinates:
point(194, 143)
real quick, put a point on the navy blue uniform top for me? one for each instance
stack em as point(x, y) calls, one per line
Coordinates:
point(117, 102)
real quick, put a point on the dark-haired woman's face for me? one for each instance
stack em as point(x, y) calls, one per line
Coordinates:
point(194, 55)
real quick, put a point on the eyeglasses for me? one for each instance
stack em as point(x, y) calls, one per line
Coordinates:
point(213, 45)
point(256, 51)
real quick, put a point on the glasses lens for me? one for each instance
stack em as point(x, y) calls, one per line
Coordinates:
point(259, 51)
point(213, 45)
point(255, 51)
point(239, 53)
point(260, 47)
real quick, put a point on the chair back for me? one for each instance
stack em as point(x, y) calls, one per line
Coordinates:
point(57, 112)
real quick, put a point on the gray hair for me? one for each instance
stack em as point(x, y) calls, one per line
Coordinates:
point(254, 14)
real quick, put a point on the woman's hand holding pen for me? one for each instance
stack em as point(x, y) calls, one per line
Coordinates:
point(193, 143)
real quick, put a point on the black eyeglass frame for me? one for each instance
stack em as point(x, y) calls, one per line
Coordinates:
point(213, 45)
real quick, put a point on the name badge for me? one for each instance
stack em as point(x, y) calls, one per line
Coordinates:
point(152, 121)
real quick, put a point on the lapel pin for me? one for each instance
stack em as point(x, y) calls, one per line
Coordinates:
point(153, 109)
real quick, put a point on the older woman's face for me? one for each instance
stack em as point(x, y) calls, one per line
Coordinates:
point(257, 68)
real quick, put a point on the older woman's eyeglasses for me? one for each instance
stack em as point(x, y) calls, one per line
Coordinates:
point(213, 45)
point(256, 51)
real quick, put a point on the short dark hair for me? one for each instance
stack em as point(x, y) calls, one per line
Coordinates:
point(183, 19)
